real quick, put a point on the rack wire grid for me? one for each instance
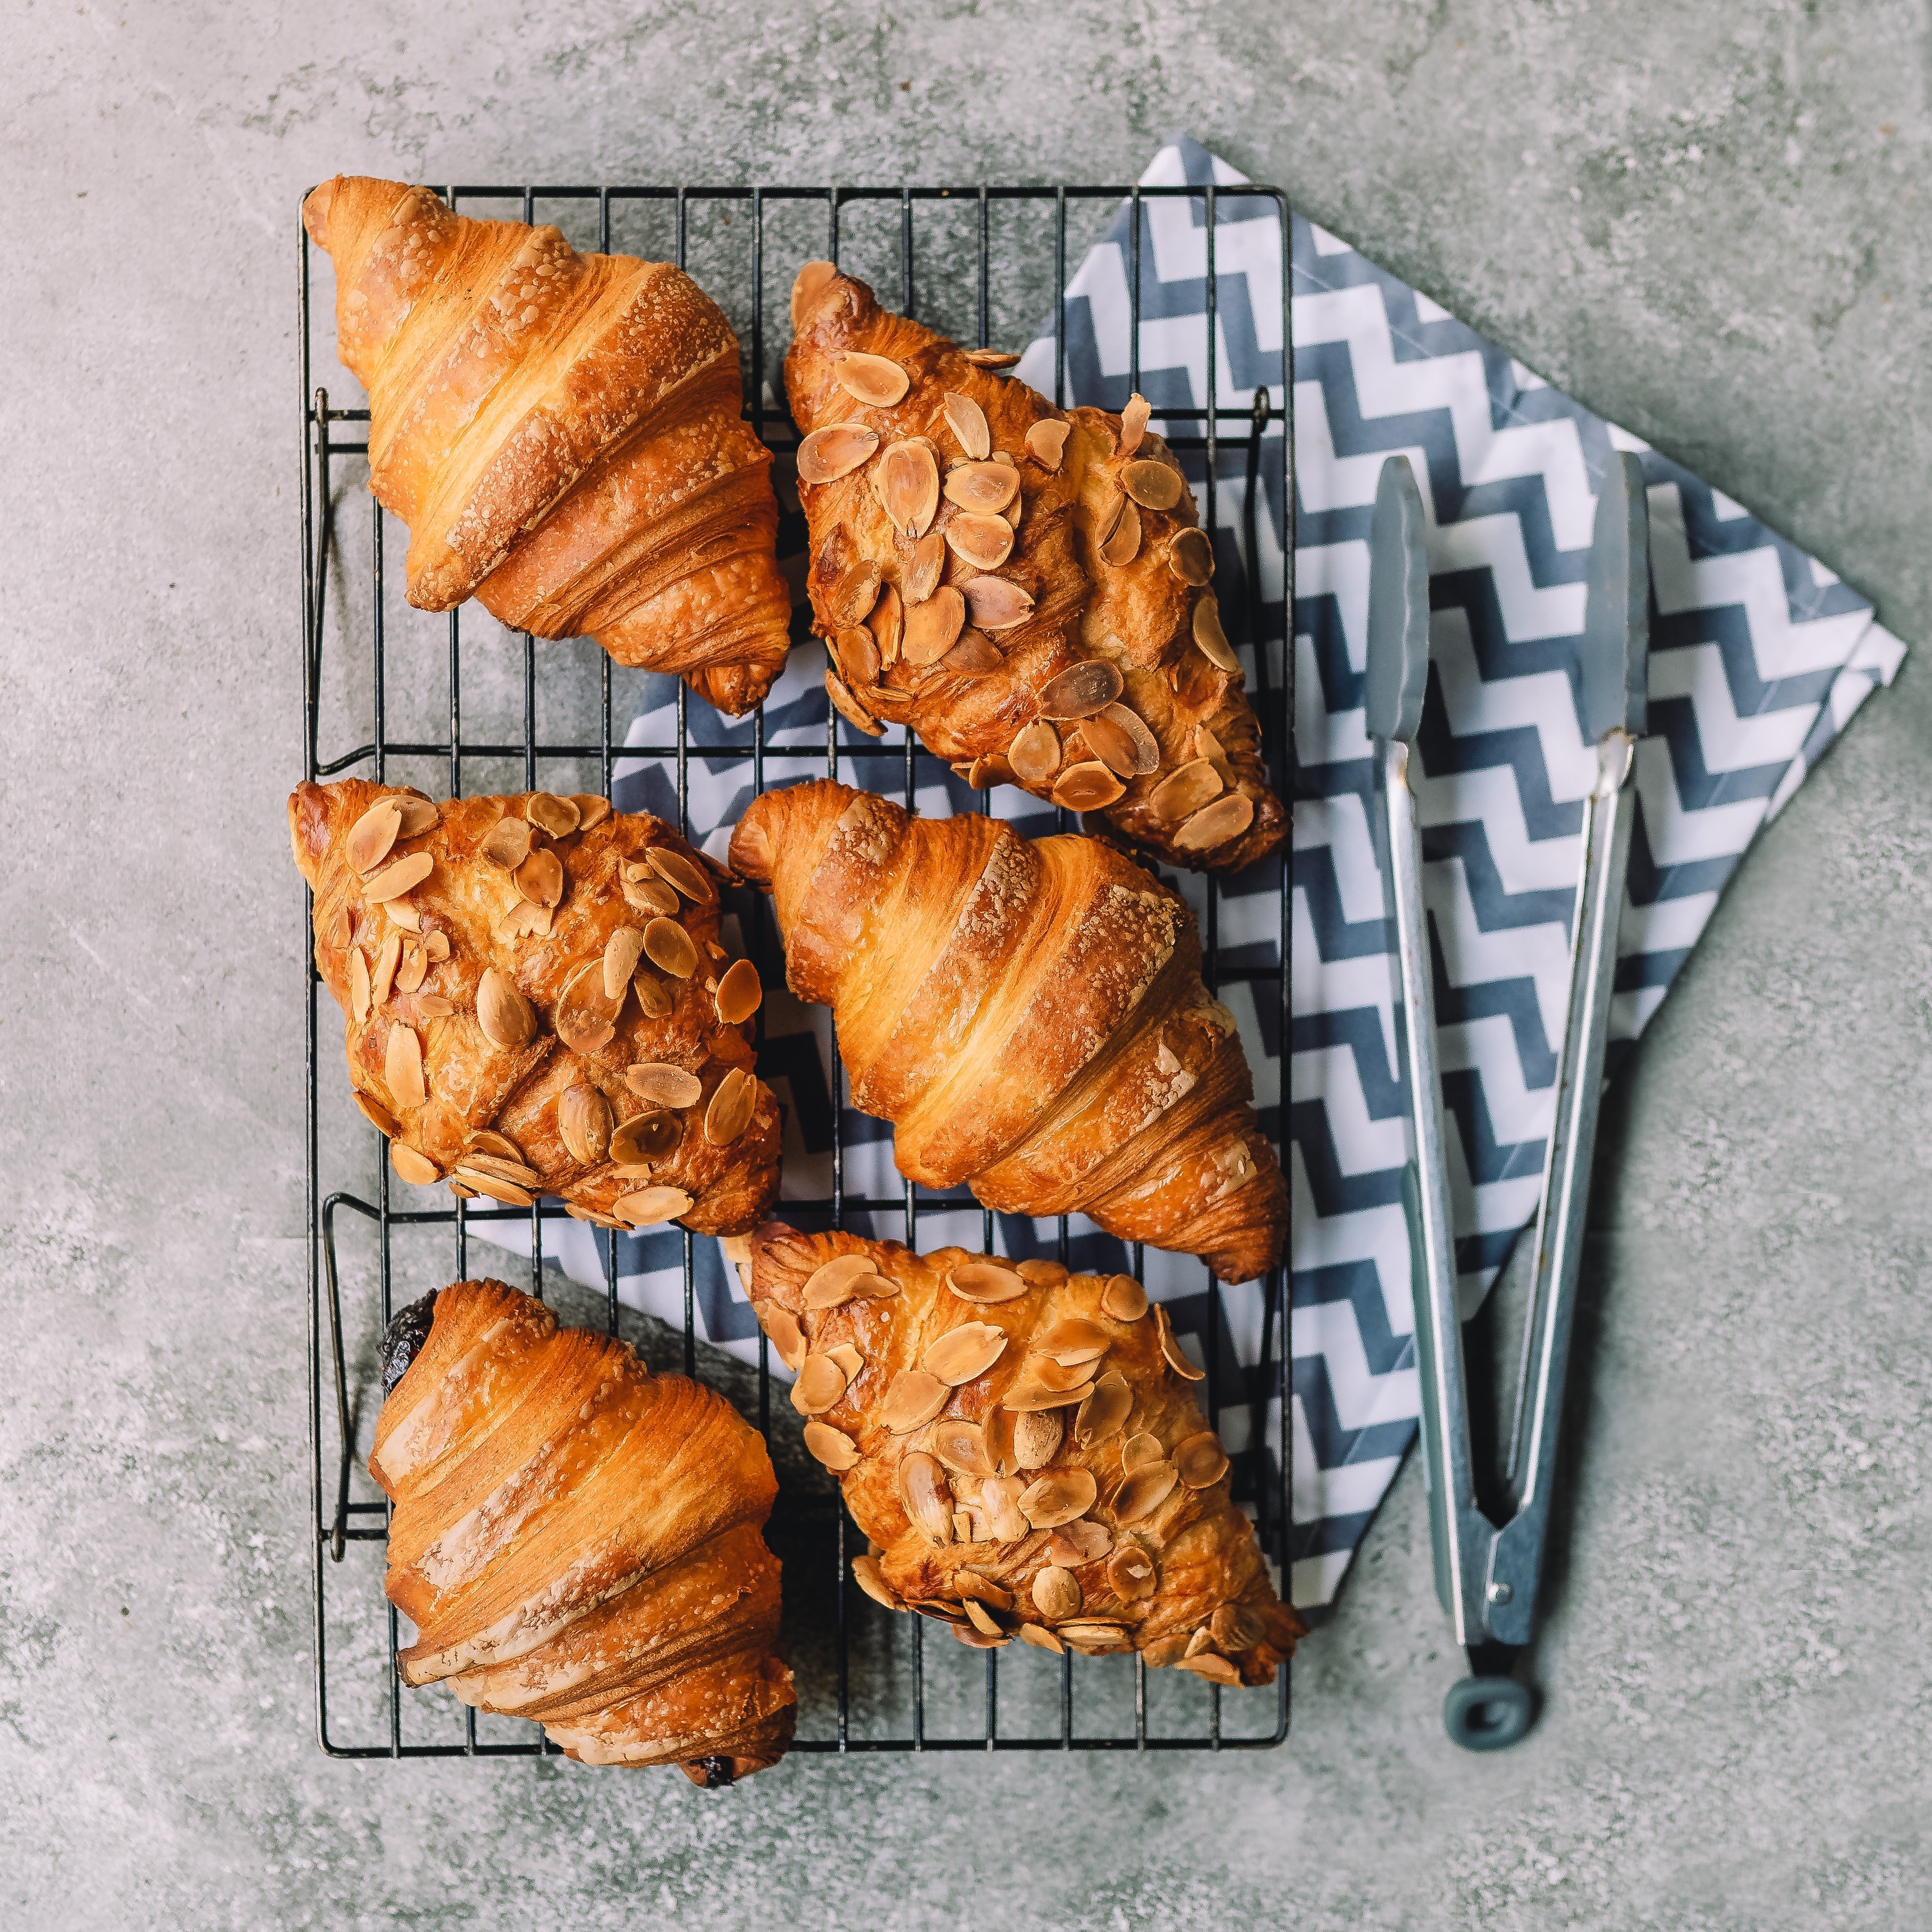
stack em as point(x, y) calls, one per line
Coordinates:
point(869, 1681)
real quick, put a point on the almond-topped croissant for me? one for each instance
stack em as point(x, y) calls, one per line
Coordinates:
point(578, 1541)
point(1024, 588)
point(1029, 1015)
point(537, 1002)
point(1024, 1447)
point(561, 433)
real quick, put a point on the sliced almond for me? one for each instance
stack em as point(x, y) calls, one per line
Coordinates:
point(1111, 745)
point(1087, 787)
point(1227, 818)
point(1138, 1452)
point(963, 1354)
point(402, 913)
point(1039, 1273)
point(832, 1447)
point(508, 843)
point(1124, 1297)
point(1048, 1373)
point(1201, 1460)
point(1073, 1340)
point(622, 951)
point(998, 1426)
point(975, 1586)
point(999, 1501)
point(996, 603)
point(848, 706)
point(540, 878)
point(1216, 1669)
point(584, 1018)
point(986, 488)
point(653, 1001)
point(670, 948)
point(1034, 1393)
point(788, 1337)
point(418, 1169)
point(886, 625)
point(732, 1102)
point(1146, 755)
point(1182, 792)
point(875, 379)
point(1211, 639)
point(855, 593)
point(985, 1282)
point(906, 482)
point(663, 1084)
point(835, 451)
point(387, 960)
point(645, 1138)
point(524, 917)
point(1206, 745)
point(985, 542)
point(1046, 442)
point(1131, 1574)
point(847, 1355)
point(968, 422)
point(988, 770)
point(1059, 1498)
point(359, 999)
point(404, 875)
point(820, 1385)
point(1190, 556)
point(1055, 1593)
point(1144, 1492)
point(649, 1206)
point(924, 1491)
point(482, 1161)
point(378, 1116)
point(870, 1578)
point(1134, 422)
point(836, 1283)
point(920, 577)
point(418, 816)
point(372, 835)
point(1104, 1410)
point(991, 359)
point(1164, 1651)
point(739, 995)
point(982, 1619)
point(508, 1019)
point(1081, 690)
point(1034, 753)
point(974, 655)
point(1074, 1543)
point(584, 1124)
point(1122, 544)
point(877, 1287)
point(1037, 1436)
point(403, 1066)
point(644, 892)
point(962, 1446)
point(1154, 485)
point(558, 817)
point(1170, 1347)
point(1041, 1638)
point(410, 974)
point(913, 1399)
point(856, 651)
point(511, 1193)
point(591, 809)
point(487, 1140)
point(932, 628)
point(688, 877)
point(812, 281)
point(436, 946)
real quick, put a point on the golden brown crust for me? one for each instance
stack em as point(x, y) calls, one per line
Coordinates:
point(1095, 599)
point(561, 433)
point(1031, 1015)
point(577, 1542)
point(478, 1091)
point(1208, 1586)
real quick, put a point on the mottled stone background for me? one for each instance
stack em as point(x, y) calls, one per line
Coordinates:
point(1710, 221)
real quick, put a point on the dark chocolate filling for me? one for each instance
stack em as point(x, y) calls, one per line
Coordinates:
point(402, 1339)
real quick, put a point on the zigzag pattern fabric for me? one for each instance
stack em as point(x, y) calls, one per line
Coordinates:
point(1760, 656)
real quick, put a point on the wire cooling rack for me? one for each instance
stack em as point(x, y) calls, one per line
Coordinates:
point(868, 1680)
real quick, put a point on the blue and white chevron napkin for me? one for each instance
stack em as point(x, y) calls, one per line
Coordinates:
point(1759, 656)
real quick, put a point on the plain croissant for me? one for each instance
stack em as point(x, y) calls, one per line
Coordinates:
point(578, 1541)
point(1024, 1449)
point(561, 433)
point(1025, 588)
point(537, 1002)
point(1030, 1015)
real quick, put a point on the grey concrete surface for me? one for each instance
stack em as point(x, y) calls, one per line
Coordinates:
point(1711, 221)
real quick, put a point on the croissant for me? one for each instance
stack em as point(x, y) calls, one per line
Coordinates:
point(1029, 1015)
point(1024, 1449)
point(578, 1541)
point(537, 1002)
point(561, 433)
point(1024, 588)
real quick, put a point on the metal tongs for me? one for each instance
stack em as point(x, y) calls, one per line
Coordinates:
point(1486, 1576)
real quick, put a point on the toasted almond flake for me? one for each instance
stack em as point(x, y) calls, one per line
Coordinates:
point(1200, 1641)
point(1147, 750)
point(558, 817)
point(372, 835)
point(493, 1185)
point(583, 1010)
point(1106, 741)
point(402, 913)
point(1182, 792)
point(855, 593)
point(833, 1447)
point(996, 603)
point(1050, 1374)
point(931, 627)
point(403, 1066)
point(484, 1160)
point(645, 1138)
point(877, 1287)
point(1037, 1436)
point(968, 422)
point(524, 917)
point(998, 1426)
point(1153, 485)
point(985, 542)
point(985, 487)
point(1034, 753)
point(418, 1169)
point(584, 1124)
point(912, 1400)
point(1073, 1340)
point(591, 809)
point(1074, 1543)
point(919, 577)
point(1059, 1498)
point(906, 482)
point(418, 816)
point(788, 1337)
point(651, 895)
point(1170, 1346)
point(1042, 1638)
point(964, 1353)
point(924, 1491)
point(1131, 1573)
point(1055, 1593)
point(1124, 1298)
point(991, 359)
point(487, 1140)
point(1087, 787)
point(835, 451)
point(999, 1501)
point(387, 960)
point(1144, 1492)
point(849, 708)
point(1190, 556)
point(1093, 1634)
point(507, 1018)
point(359, 997)
point(670, 948)
point(1122, 543)
point(856, 653)
point(540, 878)
point(1164, 1650)
point(577, 1212)
point(653, 1001)
point(622, 951)
point(1037, 1273)
point(985, 1282)
point(1134, 422)
point(874, 380)
point(981, 1588)
point(982, 1618)
point(650, 1206)
point(847, 1355)
point(739, 995)
point(886, 625)
point(1214, 824)
point(1201, 1460)
point(989, 770)
point(508, 843)
point(1032, 1393)
point(835, 1283)
point(378, 1116)
point(820, 1385)
point(962, 1446)
point(1209, 637)
point(663, 1084)
point(1081, 690)
point(1216, 1669)
point(1101, 1416)
point(409, 974)
point(688, 877)
point(1138, 1451)
point(870, 1578)
point(1046, 442)
point(733, 1103)
point(974, 655)
point(436, 946)
point(393, 880)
